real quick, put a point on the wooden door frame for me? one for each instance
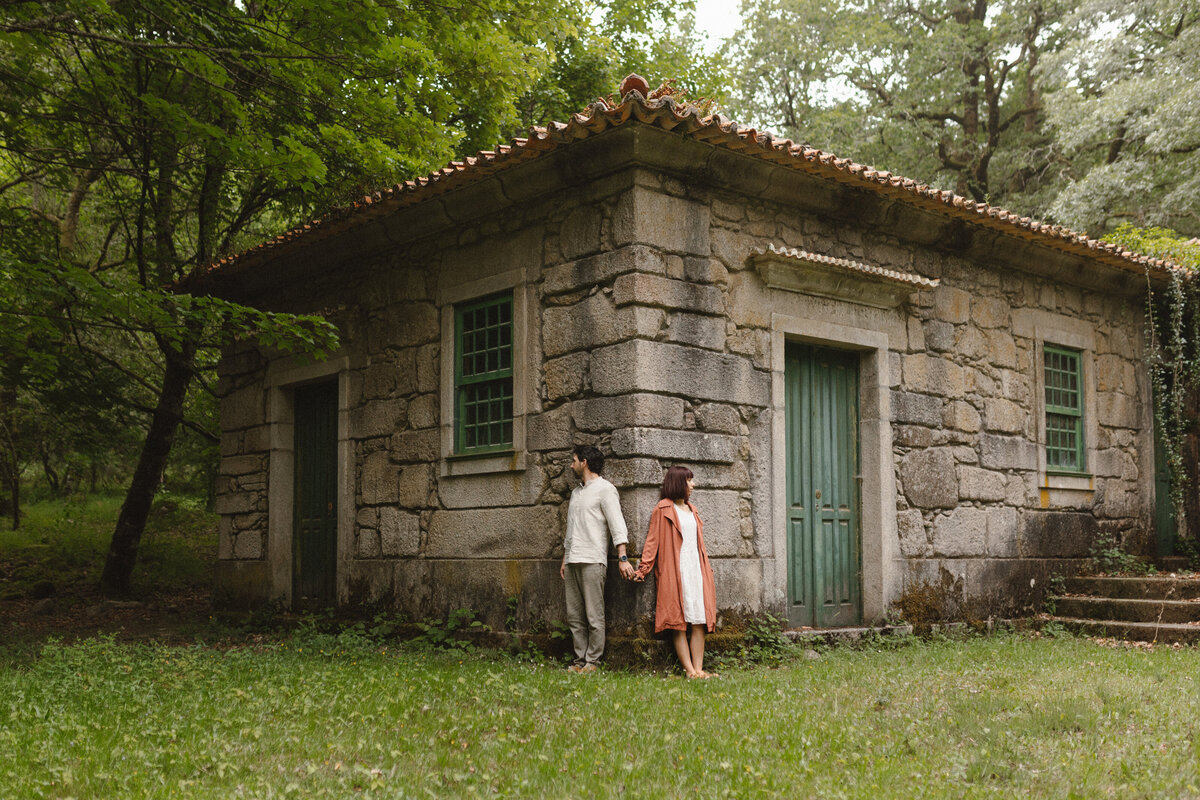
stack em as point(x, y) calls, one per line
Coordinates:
point(879, 542)
point(283, 377)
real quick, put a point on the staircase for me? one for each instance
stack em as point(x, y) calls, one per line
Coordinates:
point(1149, 609)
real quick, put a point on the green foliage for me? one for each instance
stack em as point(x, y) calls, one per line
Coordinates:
point(764, 642)
point(1173, 328)
point(996, 716)
point(1108, 557)
point(939, 91)
point(1123, 106)
point(63, 541)
point(447, 634)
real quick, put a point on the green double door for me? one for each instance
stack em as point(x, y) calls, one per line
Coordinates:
point(824, 544)
point(314, 541)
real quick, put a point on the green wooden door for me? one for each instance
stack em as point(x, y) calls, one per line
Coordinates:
point(824, 573)
point(314, 543)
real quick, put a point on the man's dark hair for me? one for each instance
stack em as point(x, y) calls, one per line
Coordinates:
point(592, 455)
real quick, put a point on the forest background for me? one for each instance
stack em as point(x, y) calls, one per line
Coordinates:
point(141, 140)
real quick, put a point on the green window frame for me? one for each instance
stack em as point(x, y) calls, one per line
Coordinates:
point(1063, 371)
point(483, 375)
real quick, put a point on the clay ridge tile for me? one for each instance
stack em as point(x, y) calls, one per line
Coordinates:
point(668, 113)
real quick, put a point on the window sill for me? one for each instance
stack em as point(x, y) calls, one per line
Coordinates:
point(483, 463)
point(1077, 481)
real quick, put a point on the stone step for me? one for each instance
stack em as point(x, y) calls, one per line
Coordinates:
point(1171, 563)
point(1133, 631)
point(1128, 610)
point(1143, 588)
point(848, 635)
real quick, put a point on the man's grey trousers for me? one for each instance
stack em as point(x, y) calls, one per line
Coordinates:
point(585, 610)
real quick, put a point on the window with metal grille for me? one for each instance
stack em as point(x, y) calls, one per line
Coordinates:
point(483, 374)
point(1064, 410)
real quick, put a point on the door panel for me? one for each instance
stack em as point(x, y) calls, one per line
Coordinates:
point(314, 544)
point(822, 443)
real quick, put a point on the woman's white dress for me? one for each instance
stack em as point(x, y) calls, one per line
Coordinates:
point(691, 582)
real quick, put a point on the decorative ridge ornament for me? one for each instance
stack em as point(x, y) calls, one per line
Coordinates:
point(795, 270)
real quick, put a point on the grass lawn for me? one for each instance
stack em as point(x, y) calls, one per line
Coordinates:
point(319, 716)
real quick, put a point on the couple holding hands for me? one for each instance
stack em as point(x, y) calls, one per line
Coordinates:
point(674, 551)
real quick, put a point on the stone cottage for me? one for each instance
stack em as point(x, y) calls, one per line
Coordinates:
point(882, 388)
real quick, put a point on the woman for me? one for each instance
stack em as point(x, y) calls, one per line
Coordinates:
point(686, 601)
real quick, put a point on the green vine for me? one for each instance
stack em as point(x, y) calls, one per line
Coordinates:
point(1173, 327)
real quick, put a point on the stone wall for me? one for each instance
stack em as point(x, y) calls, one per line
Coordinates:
point(650, 335)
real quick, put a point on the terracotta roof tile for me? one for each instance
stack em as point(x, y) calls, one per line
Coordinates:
point(668, 113)
point(894, 276)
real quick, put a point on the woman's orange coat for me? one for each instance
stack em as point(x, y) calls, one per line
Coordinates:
point(664, 540)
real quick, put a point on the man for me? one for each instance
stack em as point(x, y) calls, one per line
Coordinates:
point(593, 515)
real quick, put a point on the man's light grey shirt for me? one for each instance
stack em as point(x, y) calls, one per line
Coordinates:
point(595, 510)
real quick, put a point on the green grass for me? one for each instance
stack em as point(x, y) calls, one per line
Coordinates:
point(323, 716)
point(65, 541)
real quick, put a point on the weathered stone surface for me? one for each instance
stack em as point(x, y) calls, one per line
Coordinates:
point(366, 543)
point(235, 503)
point(684, 446)
point(630, 472)
point(962, 416)
point(566, 376)
point(1006, 452)
point(1002, 532)
point(416, 445)
point(929, 478)
point(981, 484)
point(971, 342)
point(380, 479)
point(243, 408)
point(739, 584)
point(399, 533)
point(961, 534)
point(550, 430)
point(526, 532)
point(640, 365)
point(601, 268)
point(988, 312)
point(915, 371)
point(422, 411)
point(946, 378)
point(721, 515)
point(403, 325)
point(1116, 410)
point(427, 364)
point(939, 336)
point(603, 414)
point(919, 409)
point(378, 418)
point(580, 232)
point(910, 525)
point(1115, 374)
point(671, 223)
point(951, 305)
point(718, 418)
point(248, 545)
point(1003, 416)
point(1057, 534)
point(594, 322)
point(241, 465)
point(912, 436)
point(697, 330)
point(705, 270)
point(655, 290)
point(1001, 349)
point(492, 490)
point(413, 486)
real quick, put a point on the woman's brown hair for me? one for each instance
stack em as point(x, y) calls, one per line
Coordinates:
point(674, 486)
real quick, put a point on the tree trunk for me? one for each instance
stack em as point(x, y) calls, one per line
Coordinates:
point(122, 552)
point(10, 473)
